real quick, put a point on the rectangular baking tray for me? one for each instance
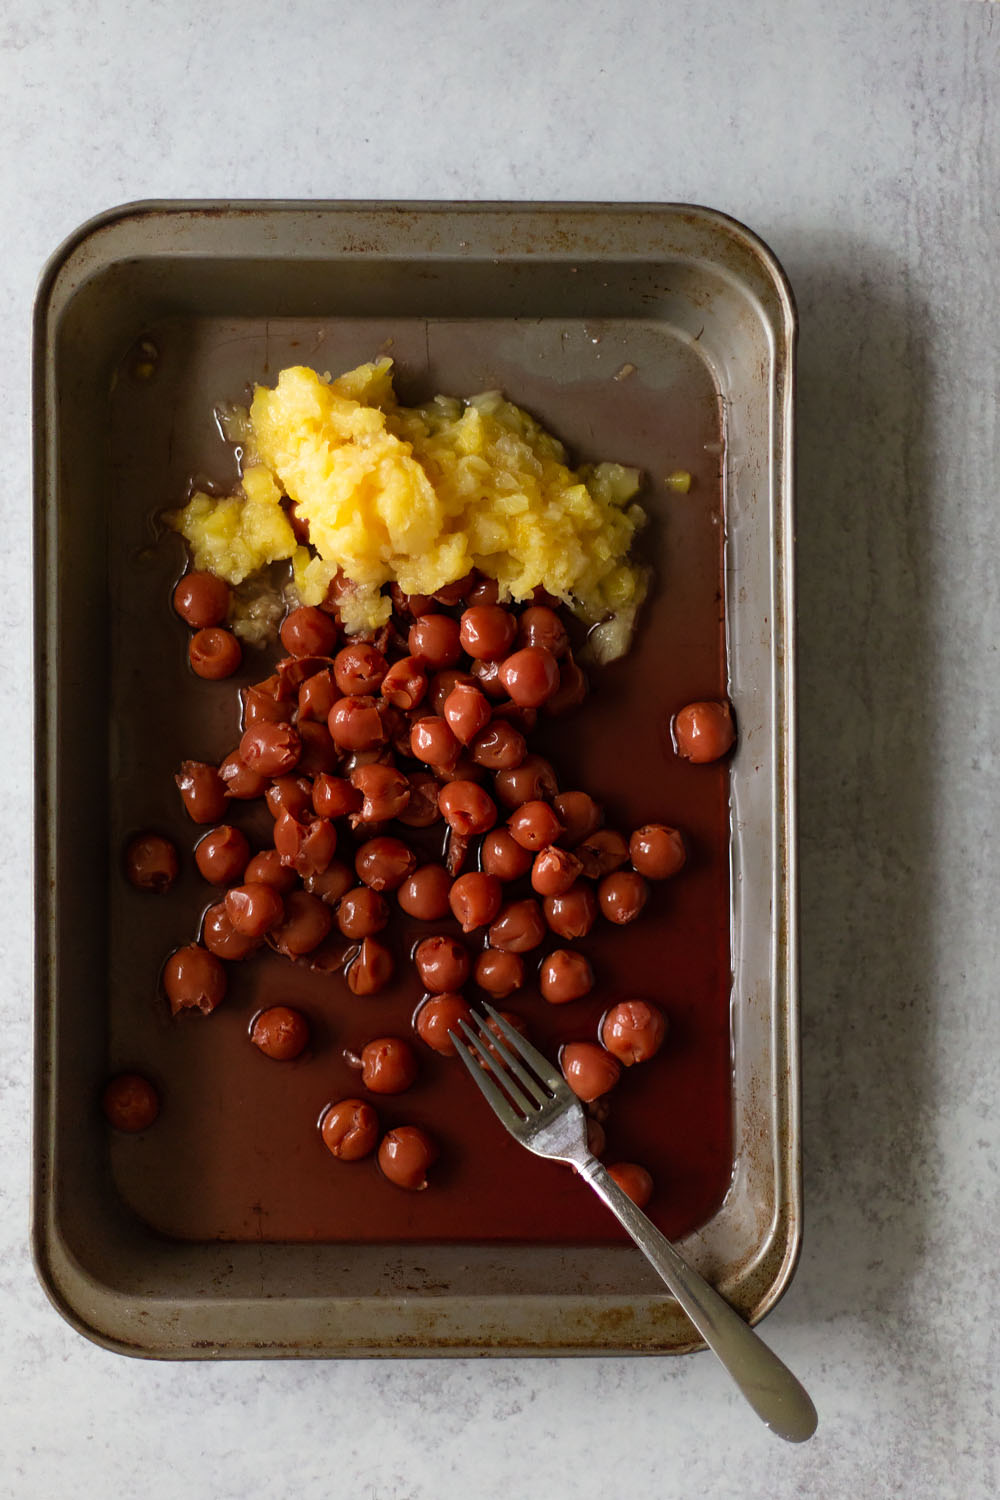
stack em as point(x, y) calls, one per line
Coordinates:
point(672, 277)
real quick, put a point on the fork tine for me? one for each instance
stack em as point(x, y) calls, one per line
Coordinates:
point(538, 1063)
point(531, 1086)
point(519, 1097)
point(484, 1083)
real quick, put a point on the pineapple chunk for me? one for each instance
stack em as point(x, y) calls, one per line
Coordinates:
point(417, 496)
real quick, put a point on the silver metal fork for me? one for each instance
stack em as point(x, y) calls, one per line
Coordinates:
point(539, 1109)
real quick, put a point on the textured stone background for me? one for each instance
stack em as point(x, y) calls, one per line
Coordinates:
point(861, 141)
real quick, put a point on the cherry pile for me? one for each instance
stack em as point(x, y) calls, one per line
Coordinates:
point(398, 772)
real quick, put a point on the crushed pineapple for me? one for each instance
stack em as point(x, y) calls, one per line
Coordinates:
point(237, 536)
point(419, 496)
point(257, 605)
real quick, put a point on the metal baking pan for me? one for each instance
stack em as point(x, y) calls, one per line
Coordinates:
point(669, 289)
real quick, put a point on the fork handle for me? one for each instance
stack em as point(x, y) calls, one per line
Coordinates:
point(769, 1386)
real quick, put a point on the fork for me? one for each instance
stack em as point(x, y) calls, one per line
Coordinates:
point(539, 1109)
